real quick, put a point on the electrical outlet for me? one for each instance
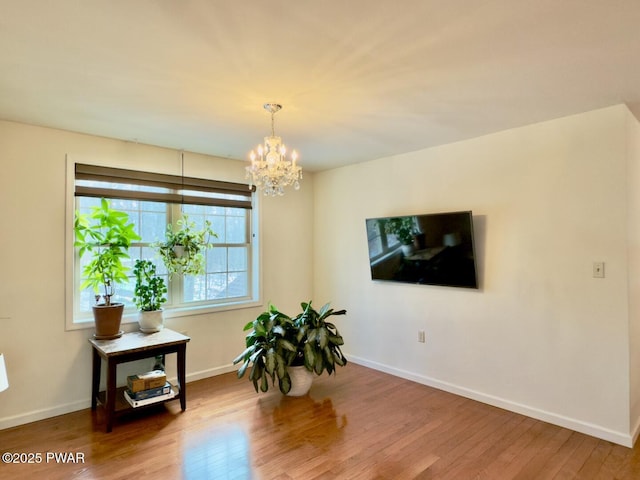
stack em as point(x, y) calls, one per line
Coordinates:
point(421, 336)
point(598, 269)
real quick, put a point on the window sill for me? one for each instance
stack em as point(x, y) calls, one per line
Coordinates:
point(132, 317)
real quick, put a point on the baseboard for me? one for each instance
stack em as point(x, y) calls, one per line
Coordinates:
point(210, 372)
point(620, 438)
point(34, 416)
point(635, 431)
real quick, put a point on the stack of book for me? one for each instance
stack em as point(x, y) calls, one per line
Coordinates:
point(147, 388)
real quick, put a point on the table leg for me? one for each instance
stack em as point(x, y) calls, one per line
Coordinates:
point(110, 407)
point(182, 350)
point(95, 379)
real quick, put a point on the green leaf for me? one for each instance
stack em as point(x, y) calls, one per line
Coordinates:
point(302, 332)
point(324, 311)
point(322, 338)
point(270, 361)
point(259, 328)
point(339, 359)
point(248, 326)
point(285, 383)
point(309, 356)
point(281, 366)
point(255, 372)
point(312, 335)
point(319, 365)
point(243, 355)
point(328, 356)
point(243, 368)
point(256, 354)
point(287, 345)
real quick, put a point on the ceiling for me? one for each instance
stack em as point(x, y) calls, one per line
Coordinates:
point(358, 79)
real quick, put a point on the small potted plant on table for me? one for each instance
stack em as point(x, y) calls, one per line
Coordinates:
point(150, 291)
point(107, 234)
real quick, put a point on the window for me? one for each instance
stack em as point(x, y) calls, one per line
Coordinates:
point(154, 201)
point(381, 243)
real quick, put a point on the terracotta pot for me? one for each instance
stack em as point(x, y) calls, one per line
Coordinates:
point(108, 319)
point(151, 321)
point(301, 380)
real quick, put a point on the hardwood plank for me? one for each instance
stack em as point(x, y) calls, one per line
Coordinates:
point(359, 424)
point(580, 455)
point(554, 464)
point(592, 467)
point(617, 463)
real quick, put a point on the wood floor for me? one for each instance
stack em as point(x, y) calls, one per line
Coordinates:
point(360, 424)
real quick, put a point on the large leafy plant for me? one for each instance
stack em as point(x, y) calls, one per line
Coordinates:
point(277, 341)
point(107, 233)
point(150, 289)
point(318, 340)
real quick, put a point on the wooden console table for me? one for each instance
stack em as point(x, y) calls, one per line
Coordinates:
point(133, 346)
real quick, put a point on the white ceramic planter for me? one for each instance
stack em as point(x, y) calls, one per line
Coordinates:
point(407, 250)
point(301, 380)
point(151, 322)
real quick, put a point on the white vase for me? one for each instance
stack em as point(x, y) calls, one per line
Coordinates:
point(151, 322)
point(301, 380)
point(408, 249)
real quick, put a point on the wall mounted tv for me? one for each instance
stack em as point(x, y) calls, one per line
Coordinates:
point(429, 249)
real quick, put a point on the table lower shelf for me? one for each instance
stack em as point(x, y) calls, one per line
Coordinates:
point(122, 406)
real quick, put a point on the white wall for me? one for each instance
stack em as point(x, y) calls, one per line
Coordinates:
point(633, 219)
point(50, 368)
point(541, 336)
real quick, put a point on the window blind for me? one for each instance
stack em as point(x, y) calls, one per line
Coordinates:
point(107, 182)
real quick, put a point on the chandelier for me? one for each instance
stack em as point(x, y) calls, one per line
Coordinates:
point(270, 170)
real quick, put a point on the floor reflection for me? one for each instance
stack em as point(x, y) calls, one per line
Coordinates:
point(298, 428)
point(220, 454)
point(297, 420)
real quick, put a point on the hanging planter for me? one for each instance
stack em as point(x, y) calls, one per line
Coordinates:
point(183, 251)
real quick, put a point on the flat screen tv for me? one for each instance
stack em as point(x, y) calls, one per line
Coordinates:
point(429, 249)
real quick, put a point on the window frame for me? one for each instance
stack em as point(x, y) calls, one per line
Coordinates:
point(254, 270)
point(387, 249)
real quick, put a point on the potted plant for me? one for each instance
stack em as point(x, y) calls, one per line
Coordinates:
point(183, 250)
point(107, 234)
point(404, 229)
point(290, 349)
point(149, 295)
